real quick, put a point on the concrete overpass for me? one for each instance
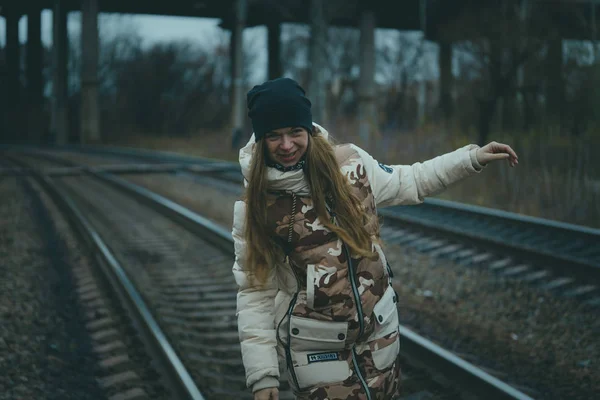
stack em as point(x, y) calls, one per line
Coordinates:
point(573, 17)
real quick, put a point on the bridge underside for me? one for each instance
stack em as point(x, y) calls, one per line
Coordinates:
point(403, 16)
point(568, 19)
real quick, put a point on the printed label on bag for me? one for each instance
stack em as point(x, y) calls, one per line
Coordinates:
point(320, 357)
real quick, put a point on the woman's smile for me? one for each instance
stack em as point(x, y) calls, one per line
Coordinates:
point(288, 158)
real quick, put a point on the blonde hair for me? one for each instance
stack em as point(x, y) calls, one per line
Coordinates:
point(325, 179)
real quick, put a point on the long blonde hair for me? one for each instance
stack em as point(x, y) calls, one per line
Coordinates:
point(324, 177)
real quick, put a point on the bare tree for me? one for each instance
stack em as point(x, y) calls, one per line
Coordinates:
point(399, 63)
point(502, 37)
point(294, 51)
point(582, 78)
point(171, 88)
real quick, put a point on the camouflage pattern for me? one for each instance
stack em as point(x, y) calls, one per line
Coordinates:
point(319, 261)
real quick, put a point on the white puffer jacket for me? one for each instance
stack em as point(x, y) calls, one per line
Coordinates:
point(260, 310)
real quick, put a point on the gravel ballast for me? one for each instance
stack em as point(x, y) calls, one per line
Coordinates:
point(45, 351)
point(533, 337)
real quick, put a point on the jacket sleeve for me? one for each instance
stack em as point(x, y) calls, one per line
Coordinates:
point(410, 184)
point(255, 314)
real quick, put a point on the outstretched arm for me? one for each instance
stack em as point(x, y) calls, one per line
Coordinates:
point(410, 184)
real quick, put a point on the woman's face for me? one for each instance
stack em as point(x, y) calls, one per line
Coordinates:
point(286, 146)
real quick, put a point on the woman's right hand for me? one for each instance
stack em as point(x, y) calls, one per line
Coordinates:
point(267, 394)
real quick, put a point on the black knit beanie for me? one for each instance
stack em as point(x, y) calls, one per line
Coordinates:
point(278, 103)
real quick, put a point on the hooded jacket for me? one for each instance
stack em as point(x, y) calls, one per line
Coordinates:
point(309, 289)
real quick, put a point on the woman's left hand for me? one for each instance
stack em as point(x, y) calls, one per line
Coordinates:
point(496, 151)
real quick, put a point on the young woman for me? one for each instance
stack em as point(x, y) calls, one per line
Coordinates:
point(315, 296)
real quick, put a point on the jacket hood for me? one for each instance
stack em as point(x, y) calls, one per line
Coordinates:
point(293, 181)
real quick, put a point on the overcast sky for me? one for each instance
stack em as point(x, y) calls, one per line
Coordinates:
point(152, 28)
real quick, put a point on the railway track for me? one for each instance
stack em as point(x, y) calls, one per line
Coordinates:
point(180, 264)
point(106, 332)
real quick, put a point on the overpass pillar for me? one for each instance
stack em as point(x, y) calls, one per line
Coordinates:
point(12, 77)
point(367, 111)
point(90, 119)
point(35, 96)
point(60, 121)
point(237, 62)
point(274, 46)
point(317, 54)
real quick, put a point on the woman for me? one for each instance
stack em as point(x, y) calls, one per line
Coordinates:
point(315, 296)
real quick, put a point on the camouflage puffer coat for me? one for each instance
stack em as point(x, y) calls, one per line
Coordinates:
point(326, 319)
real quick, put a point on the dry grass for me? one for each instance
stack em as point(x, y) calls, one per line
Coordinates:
point(558, 176)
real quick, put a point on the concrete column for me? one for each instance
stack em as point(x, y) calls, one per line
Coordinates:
point(35, 96)
point(317, 54)
point(60, 121)
point(90, 118)
point(274, 46)
point(13, 85)
point(367, 112)
point(237, 54)
point(446, 80)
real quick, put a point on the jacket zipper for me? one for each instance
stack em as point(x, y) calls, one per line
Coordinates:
point(362, 380)
point(389, 269)
point(288, 351)
point(355, 291)
point(361, 323)
point(288, 348)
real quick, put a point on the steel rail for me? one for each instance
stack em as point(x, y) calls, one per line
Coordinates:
point(561, 263)
point(177, 376)
point(413, 346)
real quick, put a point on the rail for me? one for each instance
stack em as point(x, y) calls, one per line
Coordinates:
point(156, 341)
